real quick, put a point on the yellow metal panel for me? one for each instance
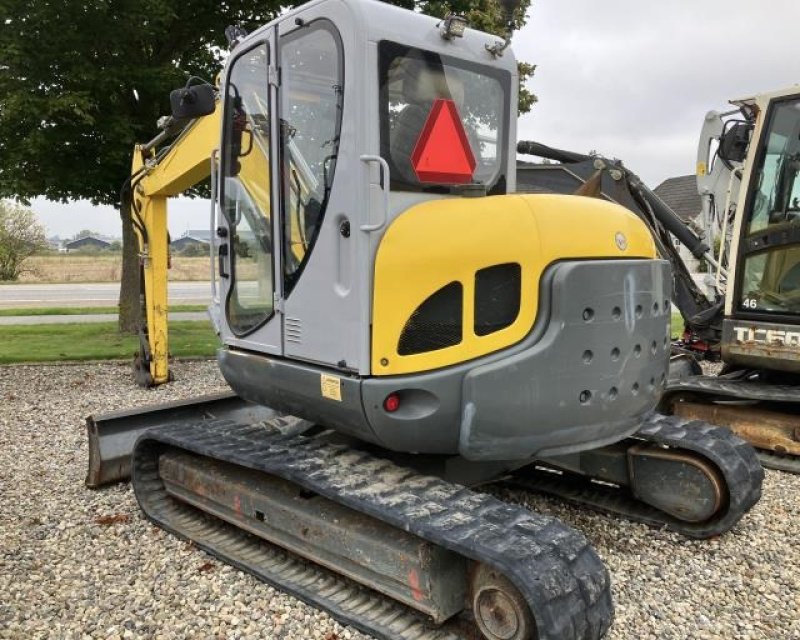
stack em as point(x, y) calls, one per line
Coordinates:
point(441, 241)
point(188, 162)
point(155, 286)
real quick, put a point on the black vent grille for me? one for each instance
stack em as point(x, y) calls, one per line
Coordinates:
point(436, 323)
point(497, 297)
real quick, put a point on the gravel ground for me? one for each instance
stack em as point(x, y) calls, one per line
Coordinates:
point(76, 563)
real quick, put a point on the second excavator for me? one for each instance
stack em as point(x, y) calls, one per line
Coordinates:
point(748, 164)
point(398, 327)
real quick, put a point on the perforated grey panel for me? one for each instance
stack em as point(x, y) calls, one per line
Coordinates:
point(600, 365)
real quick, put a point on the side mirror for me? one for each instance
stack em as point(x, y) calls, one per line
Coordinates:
point(192, 102)
point(734, 142)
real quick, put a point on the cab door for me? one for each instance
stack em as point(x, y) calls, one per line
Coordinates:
point(248, 256)
point(325, 181)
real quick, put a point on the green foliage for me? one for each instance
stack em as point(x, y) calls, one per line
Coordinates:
point(21, 236)
point(70, 71)
point(68, 113)
point(85, 233)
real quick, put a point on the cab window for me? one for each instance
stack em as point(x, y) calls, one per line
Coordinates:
point(246, 201)
point(416, 87)
point(311, 113)
point(771, 242)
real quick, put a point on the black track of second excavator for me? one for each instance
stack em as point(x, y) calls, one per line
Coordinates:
point(735, 459)
point(564, 582)
point(714, 387)
point(732, 388)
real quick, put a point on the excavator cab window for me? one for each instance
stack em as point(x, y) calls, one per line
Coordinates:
point(311, 114)
point(443, 121)
point(245, 193)
point(771, 242)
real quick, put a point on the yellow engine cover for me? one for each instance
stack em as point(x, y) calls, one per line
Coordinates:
point(439, 242)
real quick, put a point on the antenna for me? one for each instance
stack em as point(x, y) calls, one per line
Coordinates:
point(509, 7)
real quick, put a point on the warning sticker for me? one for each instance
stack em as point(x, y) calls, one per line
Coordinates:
point(331, 387)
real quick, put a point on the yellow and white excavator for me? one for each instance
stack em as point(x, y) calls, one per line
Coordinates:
point(748, 164)
point(398, 326)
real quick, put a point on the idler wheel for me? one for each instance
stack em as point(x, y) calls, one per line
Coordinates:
point(500, 611)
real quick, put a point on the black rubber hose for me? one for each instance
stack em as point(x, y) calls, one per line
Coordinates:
point(671, 220)
point(528, 147)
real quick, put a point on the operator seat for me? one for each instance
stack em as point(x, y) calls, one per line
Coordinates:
point(421, 85)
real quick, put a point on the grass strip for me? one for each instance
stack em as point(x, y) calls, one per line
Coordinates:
point(677, 326)
point(96, 341)
point(81, 311)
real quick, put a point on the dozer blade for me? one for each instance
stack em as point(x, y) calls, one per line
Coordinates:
point(112, 435)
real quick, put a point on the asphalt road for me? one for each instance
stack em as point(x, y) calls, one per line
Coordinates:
point(82, 294)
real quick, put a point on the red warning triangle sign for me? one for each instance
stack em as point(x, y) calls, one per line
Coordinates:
point(442, 153)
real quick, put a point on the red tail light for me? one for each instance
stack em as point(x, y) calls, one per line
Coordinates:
point(391, 403)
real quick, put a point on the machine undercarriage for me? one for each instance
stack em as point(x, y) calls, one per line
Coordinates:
point(396, 544)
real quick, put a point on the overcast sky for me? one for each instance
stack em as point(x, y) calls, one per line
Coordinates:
point(630, 79)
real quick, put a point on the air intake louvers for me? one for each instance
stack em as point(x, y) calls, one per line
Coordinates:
point(497, 297)
point(436, 323)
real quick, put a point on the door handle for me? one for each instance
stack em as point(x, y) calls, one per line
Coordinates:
point(223, 253)
point(384, 167)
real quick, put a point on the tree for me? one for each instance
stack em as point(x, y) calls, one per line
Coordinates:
point(86, 233)
point(21, 236)
point(76, 94)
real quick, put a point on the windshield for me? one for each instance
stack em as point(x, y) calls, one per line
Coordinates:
point(443, 120)
point(771, 242)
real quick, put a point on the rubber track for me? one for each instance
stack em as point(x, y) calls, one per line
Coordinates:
point(738, 389)
point(734, 458)
point(787, 463)
point(743, 390)
point(564, 582)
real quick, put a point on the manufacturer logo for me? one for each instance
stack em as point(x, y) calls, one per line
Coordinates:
point(621, 240)
point(767, 336)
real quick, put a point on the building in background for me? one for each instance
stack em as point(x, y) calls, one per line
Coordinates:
point(87, 243)
point(680, 195)
point(194, 240)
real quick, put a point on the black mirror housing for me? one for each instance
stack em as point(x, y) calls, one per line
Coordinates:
point(192, 102)
point(734, 142)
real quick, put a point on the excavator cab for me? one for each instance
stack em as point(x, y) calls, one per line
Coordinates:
point(761, 326)
point(373, 274)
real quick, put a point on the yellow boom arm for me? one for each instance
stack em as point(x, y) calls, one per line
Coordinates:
point(156, 178)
